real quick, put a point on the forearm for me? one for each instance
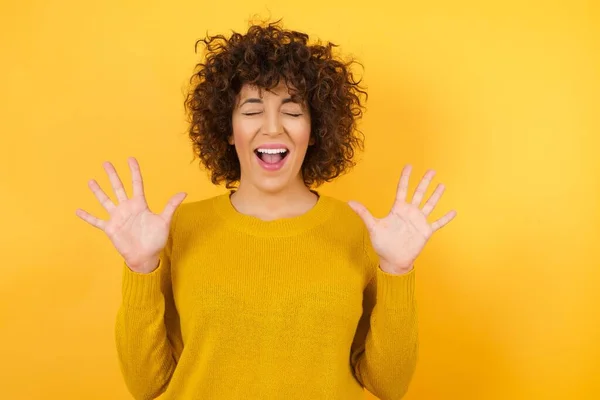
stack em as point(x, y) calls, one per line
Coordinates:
point(145, 353)
point(388, 362)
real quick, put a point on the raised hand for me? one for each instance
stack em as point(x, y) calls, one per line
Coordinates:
point(138, 234)
point(399, 238)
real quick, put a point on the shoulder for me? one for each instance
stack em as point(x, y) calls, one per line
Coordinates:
point(351, 226)
point(194, 213)
point(343, 215)
point(345, 220)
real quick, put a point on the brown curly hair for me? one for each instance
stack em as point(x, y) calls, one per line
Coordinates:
point(262, 57)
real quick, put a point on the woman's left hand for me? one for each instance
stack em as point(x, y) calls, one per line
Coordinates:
point(400, 237)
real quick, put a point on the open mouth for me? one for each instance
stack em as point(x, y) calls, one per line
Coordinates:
point(271, 156)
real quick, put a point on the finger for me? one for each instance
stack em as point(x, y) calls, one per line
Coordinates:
point(363, 213)
point(443, 221)
point(172, 205)
point(115, 182)
point(101, 196)
point(96, 222)
point(422, 187)
point(136, 177)
point(433, 200)
point(403, 185)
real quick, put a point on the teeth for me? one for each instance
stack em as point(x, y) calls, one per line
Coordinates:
point(271, 151)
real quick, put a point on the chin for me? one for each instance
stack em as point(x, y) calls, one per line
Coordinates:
point(278, 177)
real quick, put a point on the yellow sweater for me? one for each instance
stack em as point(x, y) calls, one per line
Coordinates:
point(241, 308)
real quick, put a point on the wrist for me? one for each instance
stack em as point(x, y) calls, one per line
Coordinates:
point(144, 267)
point(395, 269)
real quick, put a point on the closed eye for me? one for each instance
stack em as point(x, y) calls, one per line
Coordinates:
point(259, 112)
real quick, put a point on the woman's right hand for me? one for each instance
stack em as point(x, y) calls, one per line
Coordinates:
point(138, 234)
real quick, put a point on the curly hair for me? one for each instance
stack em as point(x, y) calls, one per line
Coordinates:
point(262, 57)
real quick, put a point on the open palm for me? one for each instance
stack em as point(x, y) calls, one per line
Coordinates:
point(400, 237)
point(136, 232)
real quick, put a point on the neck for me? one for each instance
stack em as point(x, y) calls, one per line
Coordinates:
point(289, 202)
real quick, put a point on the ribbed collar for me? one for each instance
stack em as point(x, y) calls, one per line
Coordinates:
point(252, 225)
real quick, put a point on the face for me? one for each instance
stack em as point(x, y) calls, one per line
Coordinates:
point(271, 134)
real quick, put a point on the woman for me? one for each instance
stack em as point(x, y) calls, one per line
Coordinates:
point(272, 290)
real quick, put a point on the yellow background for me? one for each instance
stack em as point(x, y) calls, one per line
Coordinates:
point(501, 98)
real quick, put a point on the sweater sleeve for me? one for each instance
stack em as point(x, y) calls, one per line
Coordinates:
point(385, 348)
point(148, 336)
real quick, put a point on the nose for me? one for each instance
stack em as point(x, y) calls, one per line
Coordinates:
point(272, 124)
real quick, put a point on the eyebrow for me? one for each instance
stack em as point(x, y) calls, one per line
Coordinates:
point(257, 100)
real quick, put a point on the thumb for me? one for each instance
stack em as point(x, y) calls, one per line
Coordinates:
point(363, 213)
point(172, 205)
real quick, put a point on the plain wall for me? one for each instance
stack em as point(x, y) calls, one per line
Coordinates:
point(501, 98)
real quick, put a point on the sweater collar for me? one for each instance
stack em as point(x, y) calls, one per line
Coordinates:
point(252, 225)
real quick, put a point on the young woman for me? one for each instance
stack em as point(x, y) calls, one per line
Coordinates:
point(272, 290)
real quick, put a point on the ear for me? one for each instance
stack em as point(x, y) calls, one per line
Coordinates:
point(311, 141)
point(230, 140)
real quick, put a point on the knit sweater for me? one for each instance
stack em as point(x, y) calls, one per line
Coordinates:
point(242, 308)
